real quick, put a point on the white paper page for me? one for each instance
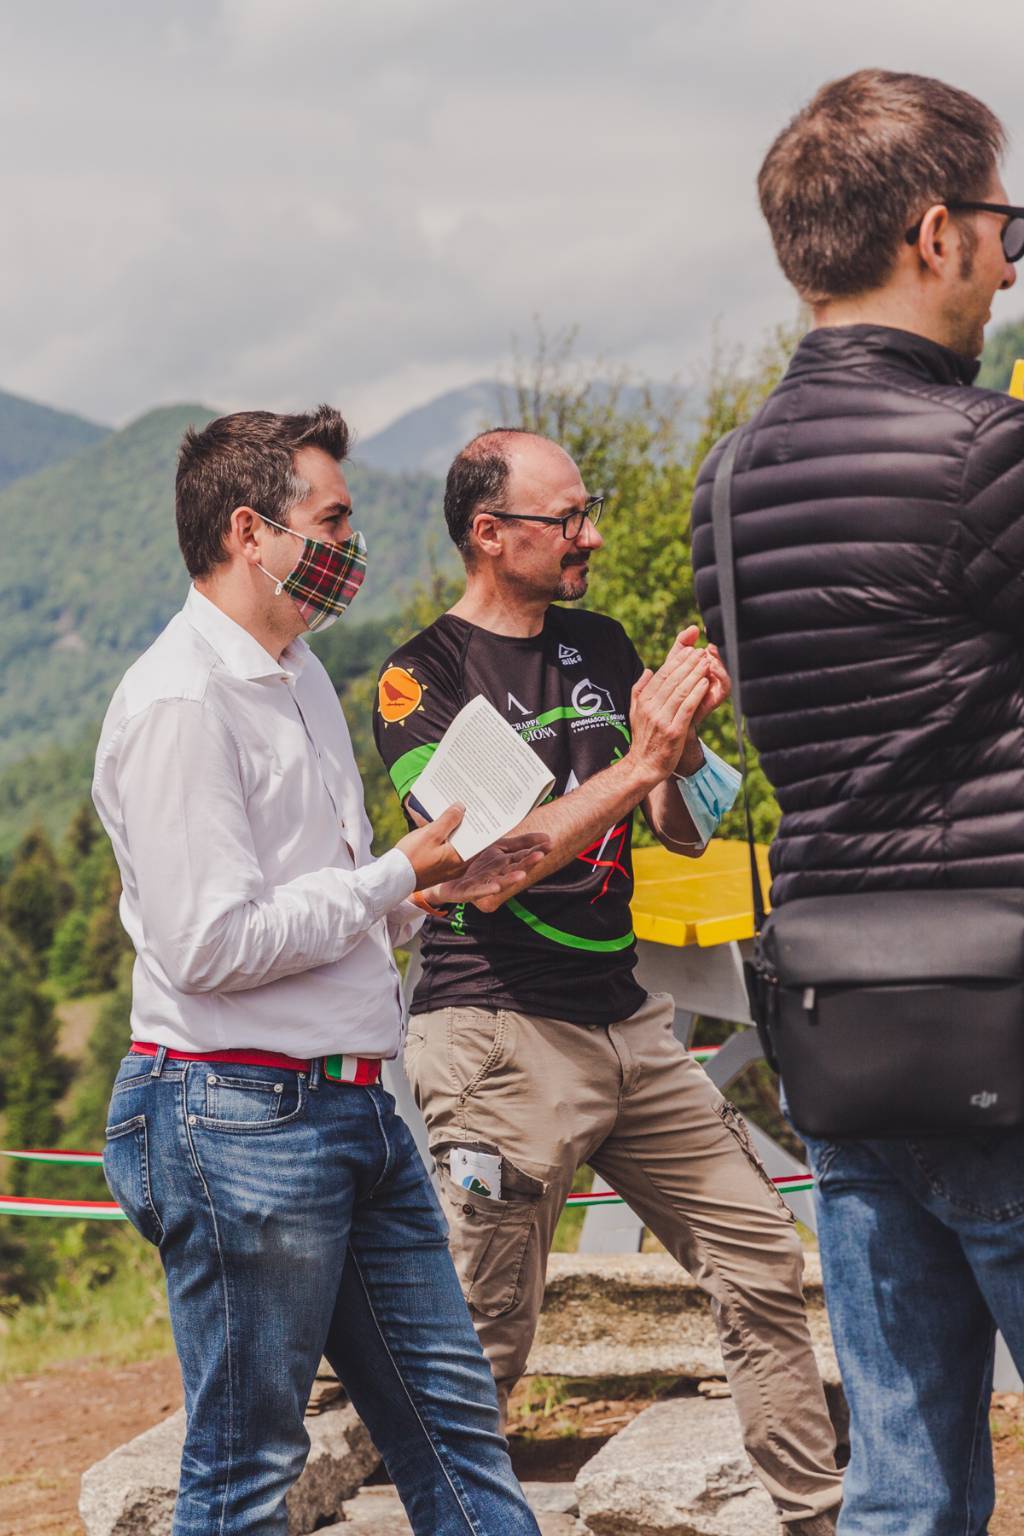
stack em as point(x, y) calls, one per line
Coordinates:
point(486, 766)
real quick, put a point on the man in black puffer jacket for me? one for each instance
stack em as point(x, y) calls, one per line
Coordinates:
point(878, 516)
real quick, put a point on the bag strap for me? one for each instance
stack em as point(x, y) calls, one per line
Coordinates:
point(721, 526)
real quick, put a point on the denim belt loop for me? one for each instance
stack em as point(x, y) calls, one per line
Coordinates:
point(314, 1073)
point(158, 1061)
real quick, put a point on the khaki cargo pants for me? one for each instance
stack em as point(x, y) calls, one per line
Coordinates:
point(627, 1099)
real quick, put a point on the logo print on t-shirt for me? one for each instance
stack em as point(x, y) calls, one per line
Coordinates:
point(568, 655)
point(398, 695)
point(513, 703)
point(588, 698)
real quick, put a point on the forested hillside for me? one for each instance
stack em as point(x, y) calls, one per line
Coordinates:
point(64, 967)
point(33, 436)
point(99, 573)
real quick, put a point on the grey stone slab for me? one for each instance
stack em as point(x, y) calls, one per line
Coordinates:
point(679, 1469)
point(640, 1314)
point(378, 1511)
point(131, 1492)
point(551, 1498)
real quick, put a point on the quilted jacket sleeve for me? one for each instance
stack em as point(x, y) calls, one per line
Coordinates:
point(992, 528)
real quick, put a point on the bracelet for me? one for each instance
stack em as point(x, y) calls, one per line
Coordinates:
point(419, 900)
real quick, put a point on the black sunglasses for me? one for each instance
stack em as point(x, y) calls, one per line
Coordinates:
point(1013, 230)
point(572, 522)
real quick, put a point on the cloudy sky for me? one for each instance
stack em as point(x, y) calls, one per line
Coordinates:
point(271, 202)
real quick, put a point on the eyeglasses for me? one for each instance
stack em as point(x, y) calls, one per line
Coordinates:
point(1012, 234)
point(572, 522)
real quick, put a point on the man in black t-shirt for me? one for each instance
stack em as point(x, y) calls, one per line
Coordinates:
point(566, 948)
point(532, 1047)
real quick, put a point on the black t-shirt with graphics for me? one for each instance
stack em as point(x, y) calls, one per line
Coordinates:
point(565, 947)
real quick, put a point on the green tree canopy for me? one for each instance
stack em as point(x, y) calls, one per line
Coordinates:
point(31, 1078)
point(36, 894)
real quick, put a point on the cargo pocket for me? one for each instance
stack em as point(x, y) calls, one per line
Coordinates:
point(740, 1131)
point(489, 1238)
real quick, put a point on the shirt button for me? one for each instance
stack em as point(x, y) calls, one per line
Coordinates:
point(467, 1210)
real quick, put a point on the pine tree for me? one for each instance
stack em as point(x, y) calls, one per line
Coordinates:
point(106, 941)
point(68, 968)
point(30, 1068)
point(82, 835)
point(37, 893)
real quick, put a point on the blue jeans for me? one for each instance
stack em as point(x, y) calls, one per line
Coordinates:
point(294, 1218)
point(922, 1250)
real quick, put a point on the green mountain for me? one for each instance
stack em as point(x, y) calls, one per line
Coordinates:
point(97, 572)
point(33, 436)
point(428, 437)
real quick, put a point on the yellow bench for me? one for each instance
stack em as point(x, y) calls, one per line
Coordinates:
point(701, 901)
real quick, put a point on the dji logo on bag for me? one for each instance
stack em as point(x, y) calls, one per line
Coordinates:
point(984, 1100)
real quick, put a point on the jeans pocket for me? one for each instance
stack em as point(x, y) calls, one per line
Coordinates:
point(252, 1103)
point(126, 1167)
point(488, 1241)
point(980, 1177)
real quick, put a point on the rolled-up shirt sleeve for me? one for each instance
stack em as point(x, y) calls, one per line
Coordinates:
point(208, 916)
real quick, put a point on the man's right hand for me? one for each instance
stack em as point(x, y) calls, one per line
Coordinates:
point(663, 705)
point(429, 851)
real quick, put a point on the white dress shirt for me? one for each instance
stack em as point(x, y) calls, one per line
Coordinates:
point(260, 919)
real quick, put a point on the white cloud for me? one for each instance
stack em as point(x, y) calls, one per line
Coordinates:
point(265, 203)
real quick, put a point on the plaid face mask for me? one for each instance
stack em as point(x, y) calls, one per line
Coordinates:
point(326, 578)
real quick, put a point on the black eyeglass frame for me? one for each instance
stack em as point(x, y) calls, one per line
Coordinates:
point(592, 508)
point(1012, 214)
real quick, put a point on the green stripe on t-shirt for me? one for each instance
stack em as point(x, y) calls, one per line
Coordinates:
point(567, 712)
point(406, 769)
point(559, 936)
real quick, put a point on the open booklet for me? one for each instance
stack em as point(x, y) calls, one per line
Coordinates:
point(484, 764)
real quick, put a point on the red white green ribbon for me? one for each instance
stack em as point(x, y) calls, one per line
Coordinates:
point(76, 1210)
point(50, 1155)
point(73, 1210)
point(107, 1210)
point(786, 1184)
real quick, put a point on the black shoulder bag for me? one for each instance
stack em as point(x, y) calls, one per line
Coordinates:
point(889, 1013)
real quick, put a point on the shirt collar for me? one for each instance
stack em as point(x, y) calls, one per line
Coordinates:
point(240, 651)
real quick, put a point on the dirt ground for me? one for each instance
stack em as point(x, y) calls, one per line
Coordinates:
point(54, 1426)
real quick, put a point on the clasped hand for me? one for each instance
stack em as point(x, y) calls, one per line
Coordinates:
point(667, 707)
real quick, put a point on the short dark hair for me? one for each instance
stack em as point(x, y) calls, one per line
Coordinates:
point(851, 173)
point(245, 460)
point(478, 482)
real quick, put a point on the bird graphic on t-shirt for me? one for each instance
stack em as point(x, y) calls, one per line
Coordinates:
point(395, 695)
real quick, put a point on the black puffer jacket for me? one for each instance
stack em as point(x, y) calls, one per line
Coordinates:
point(878, 506)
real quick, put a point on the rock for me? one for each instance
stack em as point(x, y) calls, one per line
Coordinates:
point(374, 1512)
point(378, 1511)
point(131, 1492)
point(678, 1470)
point(551, 1498)
point(640, 1314)
point(341, 1457)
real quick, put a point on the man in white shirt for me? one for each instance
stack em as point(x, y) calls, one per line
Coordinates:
point(249, 1136)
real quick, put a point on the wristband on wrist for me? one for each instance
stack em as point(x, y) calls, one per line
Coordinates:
point(418, 899)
